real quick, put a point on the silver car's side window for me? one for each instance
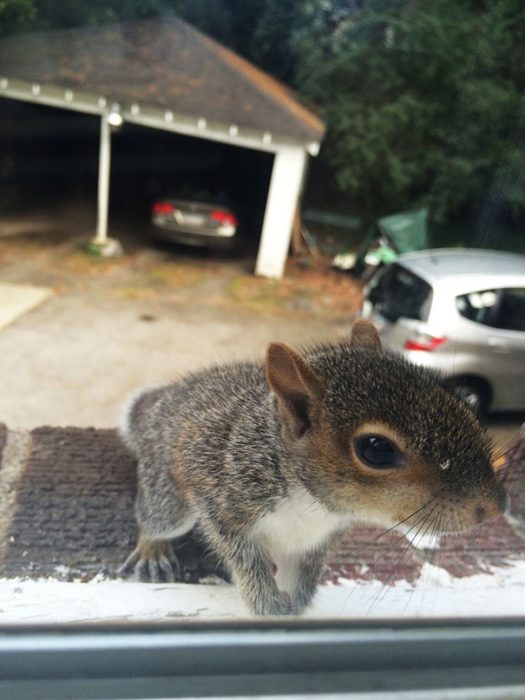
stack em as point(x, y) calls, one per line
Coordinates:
point(497, 308)
point(511, 314)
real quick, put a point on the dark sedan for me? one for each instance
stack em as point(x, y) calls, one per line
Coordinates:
point(194, 223)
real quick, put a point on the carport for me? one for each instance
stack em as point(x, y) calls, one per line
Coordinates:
point(163, 74)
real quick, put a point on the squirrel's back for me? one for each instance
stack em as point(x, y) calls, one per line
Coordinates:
point(212, 395)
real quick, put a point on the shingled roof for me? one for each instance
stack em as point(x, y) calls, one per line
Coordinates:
point(161, 63)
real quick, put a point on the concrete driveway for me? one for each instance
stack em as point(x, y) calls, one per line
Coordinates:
point(111, 326)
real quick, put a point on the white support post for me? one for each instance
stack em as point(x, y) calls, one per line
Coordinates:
point(103, 181)
point(283, 199)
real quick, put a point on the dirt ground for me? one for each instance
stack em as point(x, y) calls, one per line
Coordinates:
point(115, 325)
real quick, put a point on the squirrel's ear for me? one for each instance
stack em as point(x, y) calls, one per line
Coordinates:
point(365, 335)
point(296, 385)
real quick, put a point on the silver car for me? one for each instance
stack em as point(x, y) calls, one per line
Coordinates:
point(461, 312)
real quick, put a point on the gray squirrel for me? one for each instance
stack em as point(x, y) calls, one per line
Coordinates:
point(273, 461)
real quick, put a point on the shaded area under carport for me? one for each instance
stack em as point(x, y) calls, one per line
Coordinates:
point(49, 155)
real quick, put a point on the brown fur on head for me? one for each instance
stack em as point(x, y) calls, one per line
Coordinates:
point(345, 407)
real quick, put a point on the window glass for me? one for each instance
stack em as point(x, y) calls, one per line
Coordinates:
point(498, 308)
point(323, 128)
point(400, 293)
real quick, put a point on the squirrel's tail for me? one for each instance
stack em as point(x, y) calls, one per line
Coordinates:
point(134, 414)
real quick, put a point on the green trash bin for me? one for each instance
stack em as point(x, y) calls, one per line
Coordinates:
point(397, 233)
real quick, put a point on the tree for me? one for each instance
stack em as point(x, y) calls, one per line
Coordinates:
point(15, 14)
point(424, 101)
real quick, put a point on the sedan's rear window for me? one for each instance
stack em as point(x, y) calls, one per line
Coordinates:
point(497, 308)
point(399, 293)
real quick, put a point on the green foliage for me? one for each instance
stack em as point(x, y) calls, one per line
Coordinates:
point(15, 14)
point(18, 15)
point(230, 22)
point(424, 101)
point(271, 43)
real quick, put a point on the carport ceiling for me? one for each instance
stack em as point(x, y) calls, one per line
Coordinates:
point(160, 73)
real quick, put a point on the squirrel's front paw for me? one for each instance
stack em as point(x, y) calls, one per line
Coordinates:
point(277, 604)
point(152, 561)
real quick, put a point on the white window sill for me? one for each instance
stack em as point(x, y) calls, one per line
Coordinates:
point(436, 594)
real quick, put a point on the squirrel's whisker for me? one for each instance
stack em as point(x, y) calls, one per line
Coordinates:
point(376, 538)
point(507, 458)
point(421, 529)
point(502, 449)
point(426, 517)
point(425, 523)
point(456, 530)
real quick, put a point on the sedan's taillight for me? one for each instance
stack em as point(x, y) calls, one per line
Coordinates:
point(163, 208)
point(224, 217)
point(424, 341)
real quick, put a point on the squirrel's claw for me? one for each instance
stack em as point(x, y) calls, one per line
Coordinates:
point(127, 568)
point(161, 570)
point(152, 562)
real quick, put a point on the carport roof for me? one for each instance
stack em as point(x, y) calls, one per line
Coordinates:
point(164, 64)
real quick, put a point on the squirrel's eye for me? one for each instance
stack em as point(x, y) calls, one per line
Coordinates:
point(377, 452)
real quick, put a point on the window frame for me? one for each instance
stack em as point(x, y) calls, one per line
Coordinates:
point(467, 658)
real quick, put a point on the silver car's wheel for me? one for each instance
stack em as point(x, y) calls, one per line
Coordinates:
point(474, 396)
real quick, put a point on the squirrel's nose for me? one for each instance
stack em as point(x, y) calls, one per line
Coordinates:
point(493, 505)
point(481, 514)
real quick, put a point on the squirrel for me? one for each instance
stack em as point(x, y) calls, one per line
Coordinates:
point(273, 461)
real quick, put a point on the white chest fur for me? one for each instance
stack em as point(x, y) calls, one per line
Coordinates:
point(298, 525)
